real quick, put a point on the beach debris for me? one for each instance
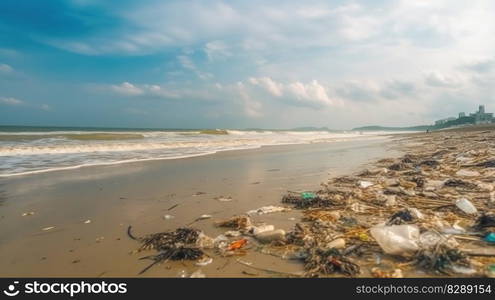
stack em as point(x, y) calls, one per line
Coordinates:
point(490, 237)
point(87, 222)
point(199, 194)
point(309, 200)
point(329, 262)
point(48, 228)
point(168, 217)
point(223, 199)
point(26, 214)
point(429, 210)
point(397, 239)
point(442, 259)
point(203, 217)
point(180, 244)
point(401, 217)
point(236, 245)
point(485, 221)
point(337, 244)
point(466, 206)
point(271, 236)
point(204, 261)
point(364, 184)
point(255, 230)
point(267, 210)
point(236, 222)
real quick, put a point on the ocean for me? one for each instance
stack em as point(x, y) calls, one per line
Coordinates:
point(28, 150)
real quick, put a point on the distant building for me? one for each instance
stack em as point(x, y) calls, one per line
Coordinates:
point(481, 117)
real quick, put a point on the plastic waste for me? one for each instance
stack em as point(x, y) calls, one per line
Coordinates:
point(490, 237)
point(308, 195)
point(270, 236)
point(266, 210)
point(466, 206)
point(397, 239)
point(262, 228)
point(237, 244)
point(337, 244)
point(204, 261)
point(168, 217)
point(364, 184)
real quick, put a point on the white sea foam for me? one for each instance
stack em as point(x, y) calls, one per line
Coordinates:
point(62, 150)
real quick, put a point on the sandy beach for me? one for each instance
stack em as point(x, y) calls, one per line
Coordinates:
point(75, 221)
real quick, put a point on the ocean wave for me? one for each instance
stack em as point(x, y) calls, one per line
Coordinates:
point(28, 153)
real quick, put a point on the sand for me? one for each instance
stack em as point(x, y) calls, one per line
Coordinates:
point(90, 208)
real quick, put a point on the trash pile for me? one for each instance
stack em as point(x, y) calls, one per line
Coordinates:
point(430, 212)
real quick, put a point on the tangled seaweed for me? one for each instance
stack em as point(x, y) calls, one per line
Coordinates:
point(172, 245)
point(441, 259)
point(301, 203)
point(329, 262)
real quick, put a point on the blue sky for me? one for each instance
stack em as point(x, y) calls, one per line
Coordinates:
point(236, 64)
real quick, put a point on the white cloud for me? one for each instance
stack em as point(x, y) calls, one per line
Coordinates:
point(11, 101)
point(127, 89)
point(439, 79)
point(4, 68)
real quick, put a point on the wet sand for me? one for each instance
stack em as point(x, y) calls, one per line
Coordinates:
point(140, 194)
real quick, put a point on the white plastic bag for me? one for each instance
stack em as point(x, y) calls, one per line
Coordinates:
point(397, 239)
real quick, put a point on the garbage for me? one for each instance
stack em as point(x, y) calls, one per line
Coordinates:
point(490, 237)
point(271, 236)
point(30, 213)
point(204, 217)
point(308, 195)
point(263, 228)
point(168, 217)
point(400, 217)
point(442, 259)
point(224, 199)
point(48, 228)
point(232, 233)
point(397, 239)
point(364, 184)
point(309, 200)
point(236, 222)
point(266, 210)
point(204, 261)
point(425, 203)
point(337, 244)
point(329, 262)
point(485, 221)
point(466, 206)
point(237, 244)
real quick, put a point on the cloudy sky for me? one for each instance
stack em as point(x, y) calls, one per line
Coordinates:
point(238, 64)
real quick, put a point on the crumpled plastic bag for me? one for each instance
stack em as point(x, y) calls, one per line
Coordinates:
point(397, 239)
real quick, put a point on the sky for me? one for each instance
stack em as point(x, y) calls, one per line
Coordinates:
point(244, 64)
